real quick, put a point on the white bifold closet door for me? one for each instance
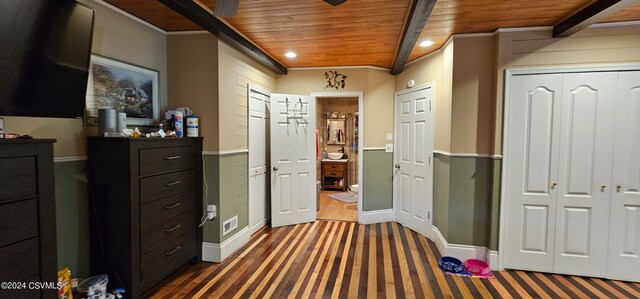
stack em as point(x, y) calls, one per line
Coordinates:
point(532, 167)
point(572, 165)
point(584, 179)
point(624, 234)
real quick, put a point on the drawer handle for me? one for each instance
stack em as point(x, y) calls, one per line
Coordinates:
point(173, 228)
point(334, 166)
point(173, 157)
point(175, 205)
point(173, 183)
point(173, 251)
point(334, 173)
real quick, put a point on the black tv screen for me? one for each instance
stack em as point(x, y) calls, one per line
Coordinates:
point(44, 57)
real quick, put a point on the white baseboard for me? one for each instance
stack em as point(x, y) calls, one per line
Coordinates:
point(259, 225)
point(378, 216)
point(464, 252)
point(212, 252)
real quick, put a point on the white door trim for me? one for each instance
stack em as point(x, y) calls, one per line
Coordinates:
point(360, 96)
point(432, 86)
point(509, 73)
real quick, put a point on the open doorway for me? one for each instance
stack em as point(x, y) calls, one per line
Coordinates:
point(337, 163)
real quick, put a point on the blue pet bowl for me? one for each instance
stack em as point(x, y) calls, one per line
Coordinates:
point(451, 264)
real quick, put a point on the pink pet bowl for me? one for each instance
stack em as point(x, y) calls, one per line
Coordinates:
point(477, 267)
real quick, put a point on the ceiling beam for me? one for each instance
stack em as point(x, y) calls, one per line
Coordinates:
point(418, 15)
point(589, 14)
point(196, 13)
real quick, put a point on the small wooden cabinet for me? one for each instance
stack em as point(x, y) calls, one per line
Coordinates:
point(335, 174)
point(145, 208)
point(27, 217)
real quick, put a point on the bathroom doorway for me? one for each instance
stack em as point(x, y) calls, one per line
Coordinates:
point(338, 124)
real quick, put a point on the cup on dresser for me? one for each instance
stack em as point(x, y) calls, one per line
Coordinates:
point(106, 121)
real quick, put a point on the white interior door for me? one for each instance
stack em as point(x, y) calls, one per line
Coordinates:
point(259, 197)
point(413, 173)
point(293, 175)
point(531, 168)
point(624, 233)
point(584, 176)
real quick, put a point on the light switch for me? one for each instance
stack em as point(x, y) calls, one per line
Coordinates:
point(388, 147)
point(389, 137)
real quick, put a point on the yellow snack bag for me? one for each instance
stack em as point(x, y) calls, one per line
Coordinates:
point(64, 284)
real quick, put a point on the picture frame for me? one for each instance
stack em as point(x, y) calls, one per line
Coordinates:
point(124, 87)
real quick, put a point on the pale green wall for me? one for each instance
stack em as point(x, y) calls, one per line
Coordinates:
point(234, 191)
point(441, 171)
point(466, 199)
point(378, 180)
point(211, 192)
point(72, 217)
point(228, 188)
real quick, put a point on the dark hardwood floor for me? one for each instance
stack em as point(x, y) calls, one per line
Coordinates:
point(331, 259)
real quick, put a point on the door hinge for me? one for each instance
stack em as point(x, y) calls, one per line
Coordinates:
point(428, 215)
point(430, 105)
point(429, 161)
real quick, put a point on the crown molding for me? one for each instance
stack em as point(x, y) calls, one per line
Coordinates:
point(188, 32)
point(338, 68)
point(615, 24)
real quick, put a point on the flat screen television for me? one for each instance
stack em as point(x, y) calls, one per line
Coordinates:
point(45, 50)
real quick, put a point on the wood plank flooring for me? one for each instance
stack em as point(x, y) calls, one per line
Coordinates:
point(332, 259)
point(331, 209)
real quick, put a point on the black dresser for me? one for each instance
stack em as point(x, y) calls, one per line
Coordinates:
point(146, 204)
point(27, 217)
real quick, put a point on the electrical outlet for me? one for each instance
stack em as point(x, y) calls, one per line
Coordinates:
point(388, 147)
point(211, 211)
point(389, 137)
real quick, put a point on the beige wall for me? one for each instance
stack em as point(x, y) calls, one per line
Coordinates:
point(377, 86)
point(115, 36)
point(472, 95)
point(590, 47)
point(235, 71)
point(192, 64)
point(435, 68)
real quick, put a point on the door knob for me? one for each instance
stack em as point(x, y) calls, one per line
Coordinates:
point(618, 188)
point(275, 168)
point(397, 166)
point(554, 185)
point(603, 187)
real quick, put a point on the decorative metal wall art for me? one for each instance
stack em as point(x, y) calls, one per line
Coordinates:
point(335, 80)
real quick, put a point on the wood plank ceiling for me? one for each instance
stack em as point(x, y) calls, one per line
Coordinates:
point(363, 32)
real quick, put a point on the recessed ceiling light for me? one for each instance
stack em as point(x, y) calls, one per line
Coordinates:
point(290, 54)
point(426, 43)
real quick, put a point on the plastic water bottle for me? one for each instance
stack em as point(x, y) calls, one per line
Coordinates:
point(179, 124)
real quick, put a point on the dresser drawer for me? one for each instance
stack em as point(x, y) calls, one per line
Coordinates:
point(156, 211)
point(335, 173)
point(158, 160)
point(20, 260)
point(18, 178)
point(156, 235)
point(333, 166)
point(155, 187)
point(20, 219)
point(173, 251)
